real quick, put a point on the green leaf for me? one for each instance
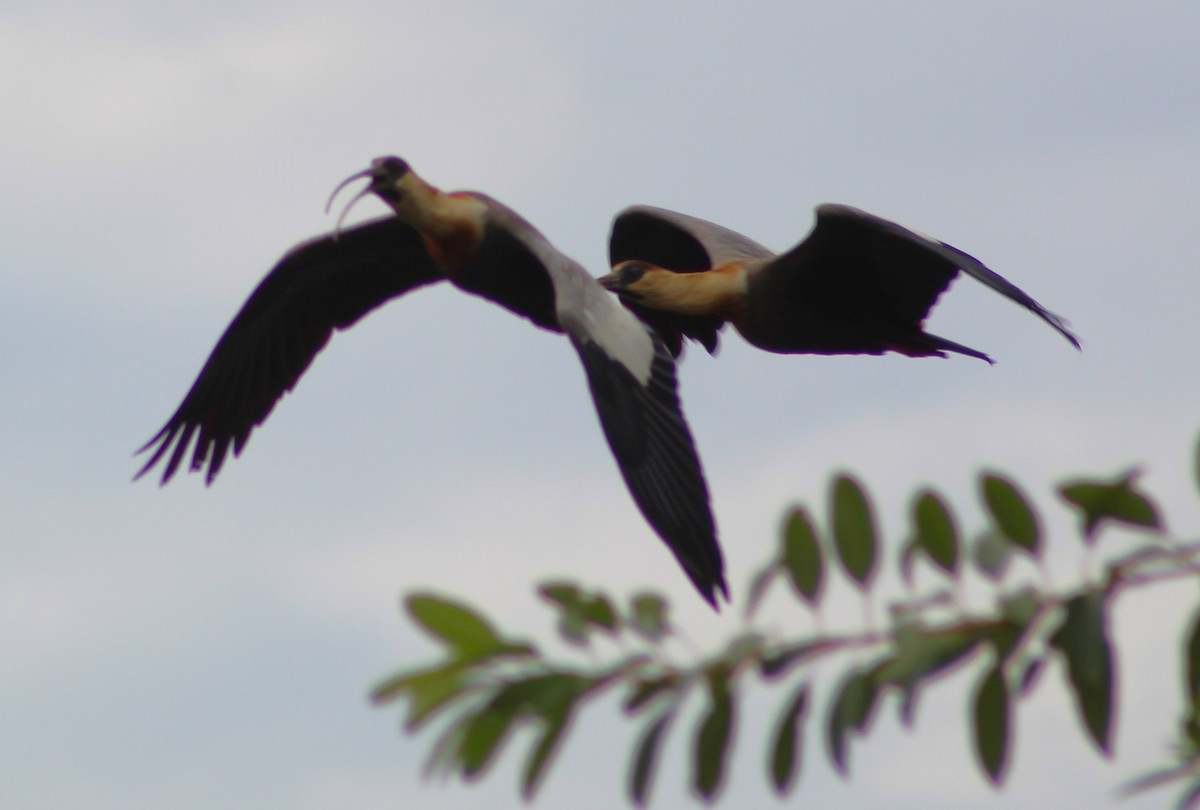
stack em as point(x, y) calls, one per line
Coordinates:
point(851, 709)
point(759, 585)
point(483, 735)
point(992, 721)
point(550, 696)
point(565, 597)
point(579, 613)
point(1118, 501)
point(935, 532)
point(1004, 637)
point(782, 661)
point(560, 593)
point(922, 654)
point(1011, 512)
point(645, 692)
point(1083, 641)
point(713, 737)
point(444, 753)
point(457, 626)
point(646, 757)
point(649, 616)
point(599, 612)
point(555, 724)
point(991, 555)
point(802, 556)
point(1191, 728)
point(1192, 675)
point(1021, 607)
point(786, 742)
point(854, 533)
point(430, 695)
point(397, 685)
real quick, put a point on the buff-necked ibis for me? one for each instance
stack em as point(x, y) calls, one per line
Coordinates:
point(858, 284)
point(484, 248)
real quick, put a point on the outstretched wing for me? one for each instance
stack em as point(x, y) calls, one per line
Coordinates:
point(318, 286)
point(646, 430)
point(631, 375)
point(632, 380)
point(856, 261)
point(684, 244)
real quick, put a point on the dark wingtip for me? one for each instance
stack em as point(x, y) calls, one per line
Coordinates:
point(938, 346)
point(1059, 324)
point(1071, 337)
point(709, 581)
point(715, 595)
point(145, 469)
point(163, 441)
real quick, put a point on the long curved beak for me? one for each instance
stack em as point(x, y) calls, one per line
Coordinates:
point(365, 173)
point(346, 182)
point(384, 174)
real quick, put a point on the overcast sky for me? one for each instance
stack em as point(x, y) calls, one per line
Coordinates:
point(195, 648)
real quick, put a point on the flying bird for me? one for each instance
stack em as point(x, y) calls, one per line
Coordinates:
point(484, 248)
point(858, 284)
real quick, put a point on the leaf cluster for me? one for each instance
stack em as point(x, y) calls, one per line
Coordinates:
point(486, 684)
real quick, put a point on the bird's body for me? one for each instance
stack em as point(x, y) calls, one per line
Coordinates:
point(485, 248)
point(858, 284)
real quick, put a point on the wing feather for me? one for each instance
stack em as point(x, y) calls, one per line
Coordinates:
point(325, 284)
point(855, 259)
point(648, 435)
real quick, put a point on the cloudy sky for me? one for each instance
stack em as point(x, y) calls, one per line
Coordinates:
point(193, 648)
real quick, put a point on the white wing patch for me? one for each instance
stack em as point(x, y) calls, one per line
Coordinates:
point(591, 314)
point(584, 308)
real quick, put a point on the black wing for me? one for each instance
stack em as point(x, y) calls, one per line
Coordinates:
point(643, 233)
point(318, 286)
point(856, 261)
point(650, 439)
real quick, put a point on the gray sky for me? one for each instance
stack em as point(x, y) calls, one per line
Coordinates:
point(196, 648)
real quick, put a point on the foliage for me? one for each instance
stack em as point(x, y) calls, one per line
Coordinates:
point(487, 684)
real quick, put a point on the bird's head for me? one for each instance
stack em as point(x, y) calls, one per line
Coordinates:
point(393, 181)
point(636, 281)
point(390, 179)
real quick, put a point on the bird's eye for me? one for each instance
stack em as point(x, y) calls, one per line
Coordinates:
point(631, 272)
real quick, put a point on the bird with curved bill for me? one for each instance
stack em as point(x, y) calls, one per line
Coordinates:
point(486, 249)
point(858, 284)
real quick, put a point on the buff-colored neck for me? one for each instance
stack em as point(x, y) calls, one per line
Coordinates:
point(435, 213)
point(720, 291)
point(451, 225)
